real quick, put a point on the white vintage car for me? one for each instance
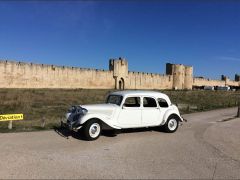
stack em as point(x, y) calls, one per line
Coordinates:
point(122, 110)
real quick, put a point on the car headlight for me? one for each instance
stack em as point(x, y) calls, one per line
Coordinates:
point(67, 115)
point(84, 111)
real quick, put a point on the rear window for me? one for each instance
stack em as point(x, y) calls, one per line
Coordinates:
point(162, 102)
point(149, 102)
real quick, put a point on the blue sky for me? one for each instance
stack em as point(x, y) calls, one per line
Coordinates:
point(204, 34)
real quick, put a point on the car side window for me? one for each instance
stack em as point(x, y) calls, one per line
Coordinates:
point(162, 103)
point(149, 102)
point(132, 102)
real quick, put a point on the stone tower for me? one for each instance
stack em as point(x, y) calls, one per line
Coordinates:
point(223, 77)
point(182, 75)
point(237, 77)
point(226, 79)
point(188, 79)
point(120, 72)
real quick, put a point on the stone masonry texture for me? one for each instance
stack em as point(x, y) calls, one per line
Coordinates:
point(28, 75)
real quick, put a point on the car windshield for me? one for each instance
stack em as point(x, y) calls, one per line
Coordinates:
point(114, 99)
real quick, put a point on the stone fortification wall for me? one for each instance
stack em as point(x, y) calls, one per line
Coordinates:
point(139, 80)
point(27, 75)
point(232, 83)
point(209, 82)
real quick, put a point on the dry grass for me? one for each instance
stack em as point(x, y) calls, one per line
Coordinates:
point(53, 103)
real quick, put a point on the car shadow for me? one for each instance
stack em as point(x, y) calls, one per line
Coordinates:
point(107, 133)
point(63, 132)
point(67, 133)
point(139, 130)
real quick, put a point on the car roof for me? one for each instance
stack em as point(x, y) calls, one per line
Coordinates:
point(140, 93)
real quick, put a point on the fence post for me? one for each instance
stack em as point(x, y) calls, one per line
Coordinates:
point(43, 122)
point(238, 113)
point(10, 125)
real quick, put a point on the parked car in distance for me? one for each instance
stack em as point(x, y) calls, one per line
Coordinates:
point(223, 88)
point(123, 110)
point(208, 88)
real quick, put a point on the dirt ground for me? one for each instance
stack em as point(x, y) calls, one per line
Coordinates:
point(204, 147)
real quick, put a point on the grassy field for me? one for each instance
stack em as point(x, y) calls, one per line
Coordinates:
point(51, 104)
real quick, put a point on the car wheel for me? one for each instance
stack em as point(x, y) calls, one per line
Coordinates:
point(92, 129)
point(172, 124)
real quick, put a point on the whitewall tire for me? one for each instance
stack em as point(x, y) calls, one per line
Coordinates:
point(172, 123)
point(92, 129)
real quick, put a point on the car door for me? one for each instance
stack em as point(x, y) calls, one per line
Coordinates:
point(150, 112)
point(130, 114)
point(164, 106)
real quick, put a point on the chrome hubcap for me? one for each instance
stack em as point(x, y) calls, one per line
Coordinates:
point(94, 130)
point(172, 124)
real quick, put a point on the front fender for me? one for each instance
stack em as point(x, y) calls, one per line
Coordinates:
point(105, 119)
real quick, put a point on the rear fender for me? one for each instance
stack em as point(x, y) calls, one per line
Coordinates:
point(170, 112)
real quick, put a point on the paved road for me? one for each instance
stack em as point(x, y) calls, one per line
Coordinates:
point(204, 147)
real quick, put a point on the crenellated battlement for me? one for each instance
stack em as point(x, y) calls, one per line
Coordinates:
point(53, 67)
point(17, 74)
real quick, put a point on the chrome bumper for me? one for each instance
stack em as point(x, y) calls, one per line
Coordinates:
point(70, 126)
